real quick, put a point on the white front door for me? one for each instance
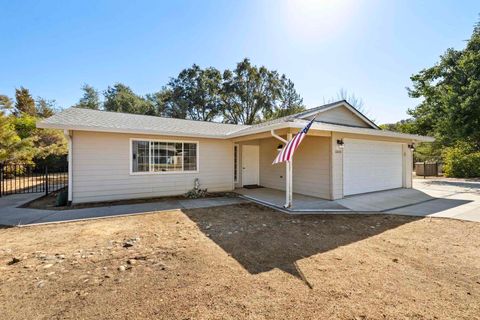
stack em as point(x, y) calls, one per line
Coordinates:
point(370, 165)
point(250, 164)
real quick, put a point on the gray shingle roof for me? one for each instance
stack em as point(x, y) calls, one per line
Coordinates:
point(77, 118)
point(94, 120)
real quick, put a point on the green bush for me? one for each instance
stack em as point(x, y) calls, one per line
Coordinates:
point(461, 161)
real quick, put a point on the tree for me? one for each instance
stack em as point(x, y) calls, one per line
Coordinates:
point(90, 98)
point(450, 93)
point(249, 92)
point(6, 104)
point(194, 94)
point(121, 98)
point(404, 126)
point(45, 108)
point(355, 101)
point(13, 147)
point(24, 102)
point(160, 101)
point(290, 102)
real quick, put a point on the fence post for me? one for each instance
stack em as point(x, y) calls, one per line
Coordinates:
point(424, 169)
point(46, 180)
point(436, 168)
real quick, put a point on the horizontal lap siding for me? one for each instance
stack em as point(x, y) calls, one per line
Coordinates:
point(311, 167)
point(341, 115)
point(101, 169)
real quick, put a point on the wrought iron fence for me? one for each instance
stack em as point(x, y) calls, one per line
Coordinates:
point(18, 178)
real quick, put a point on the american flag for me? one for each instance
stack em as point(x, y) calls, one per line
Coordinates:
point(286, 153)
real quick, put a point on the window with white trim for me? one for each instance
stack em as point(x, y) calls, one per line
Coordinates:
point(163, 156)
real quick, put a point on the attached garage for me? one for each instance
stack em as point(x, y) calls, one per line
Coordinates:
point(370, 165)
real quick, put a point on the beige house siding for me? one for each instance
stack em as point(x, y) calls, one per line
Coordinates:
point(336, 156)
point(311, 167)
point(101, 168)
point(342, 115)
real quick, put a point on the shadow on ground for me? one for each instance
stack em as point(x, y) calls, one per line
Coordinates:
point(262, 239)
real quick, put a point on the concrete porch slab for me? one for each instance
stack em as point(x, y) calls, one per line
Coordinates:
point(385, 200)
point(301, 203)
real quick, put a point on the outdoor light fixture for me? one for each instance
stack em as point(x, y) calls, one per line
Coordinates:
point(340, 143)
point(411, 146)
point(280, 147)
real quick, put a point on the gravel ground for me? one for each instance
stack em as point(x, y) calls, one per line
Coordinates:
point(242, 262)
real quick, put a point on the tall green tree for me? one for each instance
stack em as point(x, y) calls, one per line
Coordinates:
point(24, 103)
point(249, 92)
point(121, 98)
point(160, 101)
point(6, 104)
point(90, 98)
point(45, 108)
point(450, 93)
point(195, 94)
point(12, 146)
point(289, 101)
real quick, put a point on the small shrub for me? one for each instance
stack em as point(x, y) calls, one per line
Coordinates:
point(62, 198)
point(461, 161)
point(196, 192)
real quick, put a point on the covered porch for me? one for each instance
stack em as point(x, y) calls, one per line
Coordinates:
point(301, 203)
point(306, 179)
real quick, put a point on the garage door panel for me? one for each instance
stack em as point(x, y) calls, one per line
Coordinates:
point(371, 166)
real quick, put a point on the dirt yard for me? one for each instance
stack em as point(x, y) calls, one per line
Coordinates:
point(242, 262)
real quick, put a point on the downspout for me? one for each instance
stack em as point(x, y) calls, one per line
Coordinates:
point(68, 135)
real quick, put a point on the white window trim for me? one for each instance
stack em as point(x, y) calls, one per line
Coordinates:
point(150, 158)
point(235, 180)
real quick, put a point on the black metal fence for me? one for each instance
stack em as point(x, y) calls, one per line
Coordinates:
point(18, 178)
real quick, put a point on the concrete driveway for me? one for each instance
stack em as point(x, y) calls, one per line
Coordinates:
point(433, 197)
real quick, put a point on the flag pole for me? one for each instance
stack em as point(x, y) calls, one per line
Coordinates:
point(289, 184)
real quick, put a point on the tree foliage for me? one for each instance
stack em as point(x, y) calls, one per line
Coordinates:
point(90, 98)
point(450, 93)
point(24, 103)
point(194, 94)
point(20, 140)
point(245, 95)
point(12, 146)
point(120, 98)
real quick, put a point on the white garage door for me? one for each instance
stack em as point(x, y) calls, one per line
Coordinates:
point(371, 166)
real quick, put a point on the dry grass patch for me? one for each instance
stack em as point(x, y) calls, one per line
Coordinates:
point(242, 261)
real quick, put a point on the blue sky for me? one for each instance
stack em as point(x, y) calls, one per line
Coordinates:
point(368, 47)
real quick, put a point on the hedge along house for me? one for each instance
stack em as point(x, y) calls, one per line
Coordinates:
point(116, 156)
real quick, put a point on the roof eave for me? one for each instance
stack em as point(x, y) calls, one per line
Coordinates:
point(344, 129)
point(44, 125)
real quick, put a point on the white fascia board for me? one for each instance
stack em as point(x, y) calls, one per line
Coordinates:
point(131, 131)
point(280, 125)
point(367, 131)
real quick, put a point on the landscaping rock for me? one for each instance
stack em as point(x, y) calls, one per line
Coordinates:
point(122, 268)
point(14, 260)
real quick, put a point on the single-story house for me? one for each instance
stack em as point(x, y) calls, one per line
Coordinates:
point(116, 156)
